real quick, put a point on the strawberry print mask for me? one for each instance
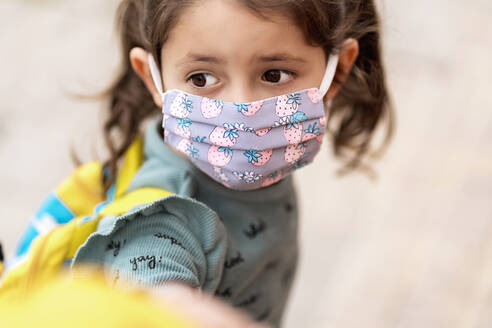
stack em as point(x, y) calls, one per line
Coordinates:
point(246, 146)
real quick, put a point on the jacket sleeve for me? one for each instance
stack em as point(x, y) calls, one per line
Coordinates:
point(173, 239)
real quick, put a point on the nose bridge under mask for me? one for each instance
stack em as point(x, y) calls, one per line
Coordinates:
point(240, 93)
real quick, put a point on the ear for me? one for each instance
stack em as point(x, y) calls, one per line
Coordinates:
point(140, 64)
point(346, 59)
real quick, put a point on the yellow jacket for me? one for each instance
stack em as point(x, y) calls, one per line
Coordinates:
point(82, 197)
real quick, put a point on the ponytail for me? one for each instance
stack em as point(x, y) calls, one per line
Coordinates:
point(363, 102)
point(130, 101)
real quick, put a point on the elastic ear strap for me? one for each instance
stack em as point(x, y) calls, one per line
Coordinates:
point(331, 68)
point(156, 75)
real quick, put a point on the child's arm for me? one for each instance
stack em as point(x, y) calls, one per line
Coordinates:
point(211, 312)
point(91, 303)
point(175, 239)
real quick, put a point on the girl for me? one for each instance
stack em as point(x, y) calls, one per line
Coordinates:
point(247, 89)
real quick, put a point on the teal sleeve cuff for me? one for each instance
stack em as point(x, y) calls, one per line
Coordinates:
point(175, 238)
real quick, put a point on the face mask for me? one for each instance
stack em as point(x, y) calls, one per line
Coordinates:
point(246, 146)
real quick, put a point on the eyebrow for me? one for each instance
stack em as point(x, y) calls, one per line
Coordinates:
point(278, 57)
point(193, 58)
point(281, 57)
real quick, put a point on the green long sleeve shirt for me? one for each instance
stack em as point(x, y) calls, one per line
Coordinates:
point(239, 245)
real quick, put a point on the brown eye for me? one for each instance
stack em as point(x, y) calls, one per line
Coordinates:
point(277, 76)
point(202, 80)
point(272, 76)
point(199, 80)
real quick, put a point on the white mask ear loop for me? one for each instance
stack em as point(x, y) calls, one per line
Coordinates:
point(156, 75)
point(331, 68)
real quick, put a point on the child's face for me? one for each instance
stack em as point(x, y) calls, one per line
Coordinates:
point(222, 50)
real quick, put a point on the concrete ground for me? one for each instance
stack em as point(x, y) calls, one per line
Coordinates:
point(413, 249)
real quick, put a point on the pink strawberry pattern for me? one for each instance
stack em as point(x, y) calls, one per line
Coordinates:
point(262, 132)
point(258, 158)
point(312, 132)
point(211, 108)
point(294, 152)
point(183, 146)
point(186, 147)
point(292, 134)
point(314, 95)
point(219, 155)
point(183, 128)
point(293, 129)
point(222, 137)
point(183, 132)
point(288, 104)
point(249, 109)
point(221, 145)
point(181, 106)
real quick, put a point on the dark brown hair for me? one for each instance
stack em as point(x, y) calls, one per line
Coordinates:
point(359, 108)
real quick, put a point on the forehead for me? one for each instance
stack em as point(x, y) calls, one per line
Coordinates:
point(229, 30)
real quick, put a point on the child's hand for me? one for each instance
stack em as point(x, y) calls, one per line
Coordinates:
point(203, 308)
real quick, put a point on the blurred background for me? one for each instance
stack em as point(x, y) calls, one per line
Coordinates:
point(413, 249)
